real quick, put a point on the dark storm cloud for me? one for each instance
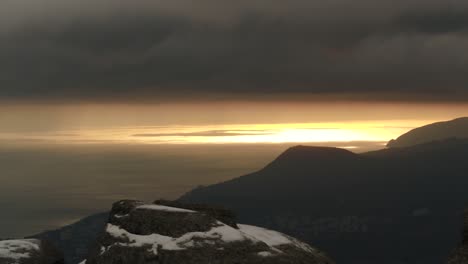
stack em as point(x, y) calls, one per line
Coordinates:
point(164, 50)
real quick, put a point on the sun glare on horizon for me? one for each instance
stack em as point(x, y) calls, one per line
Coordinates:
point(370, 131)
point(279, 133)
point(241, 123)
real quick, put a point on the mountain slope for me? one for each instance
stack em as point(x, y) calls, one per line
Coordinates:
point(366, 208)
point(457, 128)
point(76, 239)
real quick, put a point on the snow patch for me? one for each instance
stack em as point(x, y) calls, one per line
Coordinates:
point(220, 232)
point(164, 208)
point(269, 237)
point(18, 249)
point(265, 254)
point(120, 216)
point(273, 238)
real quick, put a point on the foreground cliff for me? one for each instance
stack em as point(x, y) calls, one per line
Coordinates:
point(28, 251)
point(156, 233)
point(460, 255)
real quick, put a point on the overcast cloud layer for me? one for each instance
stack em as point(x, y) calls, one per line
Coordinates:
point(164, 50)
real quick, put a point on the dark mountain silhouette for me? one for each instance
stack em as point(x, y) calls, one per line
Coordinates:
point(397, 205)
point(457, 128)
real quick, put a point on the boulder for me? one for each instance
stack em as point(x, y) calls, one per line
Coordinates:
point(139, 233)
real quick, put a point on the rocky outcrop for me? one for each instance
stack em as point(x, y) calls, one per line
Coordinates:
point(460, 255)
point(191, 234)
point(29, 251)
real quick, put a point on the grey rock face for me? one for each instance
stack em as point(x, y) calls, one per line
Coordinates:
point(139, 233)
point(137, 219)
point(29, 251)
point(460, 255)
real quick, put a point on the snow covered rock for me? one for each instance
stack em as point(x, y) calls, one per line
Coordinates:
point(160, 234)
point(28, 251)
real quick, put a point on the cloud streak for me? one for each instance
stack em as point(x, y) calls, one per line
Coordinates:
point(208, 133)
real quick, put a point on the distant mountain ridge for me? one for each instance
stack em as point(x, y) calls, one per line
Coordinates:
point(308, 155)
point(456, 128)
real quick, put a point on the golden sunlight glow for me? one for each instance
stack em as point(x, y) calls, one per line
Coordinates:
point(281, 133)
point(217, 123)
point(225, 134)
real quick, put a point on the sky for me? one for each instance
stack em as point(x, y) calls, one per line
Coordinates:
point(251, 69)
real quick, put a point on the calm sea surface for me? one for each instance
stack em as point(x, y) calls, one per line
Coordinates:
point(48, 186)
